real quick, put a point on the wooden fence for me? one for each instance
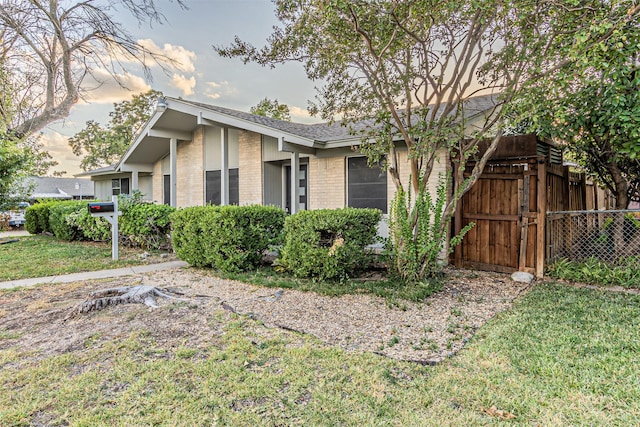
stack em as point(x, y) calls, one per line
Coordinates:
point(508, 205)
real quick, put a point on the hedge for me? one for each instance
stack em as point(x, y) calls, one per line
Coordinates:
point(328, 243)
point(36, 217)
point(64, 219)
point(146, 225)
point(227, 238)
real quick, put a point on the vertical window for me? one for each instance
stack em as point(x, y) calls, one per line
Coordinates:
point(119, 186)
point(366, 186)
point(166, 189)
point(213, 187)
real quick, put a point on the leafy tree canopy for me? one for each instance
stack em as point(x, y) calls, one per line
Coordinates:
point(273, 109)
point(593, 109)
point(104, 145)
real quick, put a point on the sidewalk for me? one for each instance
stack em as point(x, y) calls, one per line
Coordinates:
point(100, 274)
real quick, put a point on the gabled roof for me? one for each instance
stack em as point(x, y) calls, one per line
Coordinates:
point(328, 132)
point(180, 118)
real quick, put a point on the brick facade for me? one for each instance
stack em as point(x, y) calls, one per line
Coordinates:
point(190, 170)
point(250, 168)
point(327, 182)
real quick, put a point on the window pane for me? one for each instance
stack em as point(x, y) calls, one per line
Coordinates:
point(367, 187)
point(213, 192)
point(115, 183)
point(124, 186)
point(212, 195)
point(166, 181)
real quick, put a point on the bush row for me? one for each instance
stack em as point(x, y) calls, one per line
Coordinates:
point(323, 244)
point(141, 224)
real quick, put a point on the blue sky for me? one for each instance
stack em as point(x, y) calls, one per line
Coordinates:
point(188, 36)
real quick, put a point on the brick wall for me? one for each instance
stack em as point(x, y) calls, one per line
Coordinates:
point(190, 170)
point(157, 182)
point(327, 182)
point(250, 167)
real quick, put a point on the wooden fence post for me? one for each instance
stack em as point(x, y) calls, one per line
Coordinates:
point(542, 217)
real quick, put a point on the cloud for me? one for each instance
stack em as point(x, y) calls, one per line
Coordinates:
point(186, 85)
point(299, 112)
point(183, 58)
point(101, 87)
point(57, 145)
point(215, 90)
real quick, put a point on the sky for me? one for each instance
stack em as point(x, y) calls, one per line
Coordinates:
point(188, 36)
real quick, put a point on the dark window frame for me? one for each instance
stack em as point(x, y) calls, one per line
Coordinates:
point(213, 190)
point(120, 186)
point(365, 189)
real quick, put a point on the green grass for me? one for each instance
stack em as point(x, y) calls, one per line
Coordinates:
point(39, 256)
point(385, 287)
point(561, 356)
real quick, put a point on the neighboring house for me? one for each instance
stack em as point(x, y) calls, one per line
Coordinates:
point(191, 154)
point(59, 188)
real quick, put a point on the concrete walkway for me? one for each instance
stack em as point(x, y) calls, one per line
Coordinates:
point(14, 233)
point(100, 274)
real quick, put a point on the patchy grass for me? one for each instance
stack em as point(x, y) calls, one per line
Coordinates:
point(561, 356)
point(376, 283)
point(39, 256)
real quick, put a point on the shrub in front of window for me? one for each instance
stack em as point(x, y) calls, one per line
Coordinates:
point(227, 238)
point(64, 219)
point(146, 225)
point(328, 243)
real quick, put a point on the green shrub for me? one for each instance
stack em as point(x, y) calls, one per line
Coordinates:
point(146, 225)
point(417, 233)
point(328, 244)
point(37, 217)
point(96, 229)
point(227, 238)
point(64, 219)
point(593, 271)
point(187, 232)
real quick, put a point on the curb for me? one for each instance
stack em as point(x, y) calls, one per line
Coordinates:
point(100, 274)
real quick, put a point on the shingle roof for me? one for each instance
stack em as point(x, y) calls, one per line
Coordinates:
point(61, 186)
point(325, 132)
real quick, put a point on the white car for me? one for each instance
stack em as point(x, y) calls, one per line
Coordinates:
point(16, 215)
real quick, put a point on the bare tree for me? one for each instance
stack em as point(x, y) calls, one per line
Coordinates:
point(50, 48)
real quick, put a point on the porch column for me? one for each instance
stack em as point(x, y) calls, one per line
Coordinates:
point(173, 165)
point(224, 166)
point(295, 182)
point(134, 179)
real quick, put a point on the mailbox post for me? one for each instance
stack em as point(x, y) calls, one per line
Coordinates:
point(110, 212)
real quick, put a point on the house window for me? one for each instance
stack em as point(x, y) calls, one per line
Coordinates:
point(119, 186)
point(166, 189)
point(213, 191)
point(366, 186)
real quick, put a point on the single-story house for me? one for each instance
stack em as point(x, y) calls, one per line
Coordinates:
point(59, 188)
point(191, 154)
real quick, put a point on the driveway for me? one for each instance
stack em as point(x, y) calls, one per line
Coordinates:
point(14, 233)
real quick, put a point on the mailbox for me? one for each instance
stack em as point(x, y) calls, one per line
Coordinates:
point(100, 207)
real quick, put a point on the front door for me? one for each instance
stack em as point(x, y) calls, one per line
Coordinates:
point(303, 188)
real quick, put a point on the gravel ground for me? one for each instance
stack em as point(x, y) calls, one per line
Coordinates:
point(426, 332)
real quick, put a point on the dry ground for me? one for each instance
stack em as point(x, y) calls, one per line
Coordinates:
point(427, 332)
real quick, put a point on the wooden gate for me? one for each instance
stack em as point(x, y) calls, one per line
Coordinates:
point(503, 205)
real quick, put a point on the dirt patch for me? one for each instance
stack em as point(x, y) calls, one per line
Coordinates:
point(426, 332)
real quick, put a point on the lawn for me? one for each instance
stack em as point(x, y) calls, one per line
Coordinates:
point(560, 356)
point(40, 255)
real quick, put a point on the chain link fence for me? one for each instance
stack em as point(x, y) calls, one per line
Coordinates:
point(608, 236)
